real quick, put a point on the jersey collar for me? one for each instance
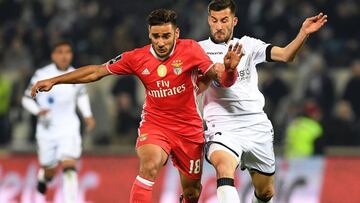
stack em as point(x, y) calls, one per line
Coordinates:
point(222, 43)
point(162, 58)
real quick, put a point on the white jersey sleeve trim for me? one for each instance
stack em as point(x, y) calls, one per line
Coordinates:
point(208, 68)
point(108, 69)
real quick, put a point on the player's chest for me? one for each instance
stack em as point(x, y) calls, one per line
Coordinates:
point(168, 73)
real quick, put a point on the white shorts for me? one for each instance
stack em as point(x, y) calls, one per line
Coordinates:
point(252, 147)
point(57, 146)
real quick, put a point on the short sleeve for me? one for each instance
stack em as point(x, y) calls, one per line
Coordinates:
point(201, 59)
point(259, 50)
point(121, 65)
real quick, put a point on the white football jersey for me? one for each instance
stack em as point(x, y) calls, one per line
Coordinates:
point(61, 101)
point(241, 104)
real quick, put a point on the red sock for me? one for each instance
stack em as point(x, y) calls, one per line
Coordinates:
point(141, 191)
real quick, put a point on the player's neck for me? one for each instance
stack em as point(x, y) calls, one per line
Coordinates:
point(162, 58)
point(223, 42)
point(61, 69)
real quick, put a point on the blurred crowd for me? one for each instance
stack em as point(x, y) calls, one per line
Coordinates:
point(313, 103)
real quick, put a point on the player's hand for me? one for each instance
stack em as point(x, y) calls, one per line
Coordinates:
point(90, 124)
point(43, 112)
point(232, 57)
point(41, 86)
point(314, 23)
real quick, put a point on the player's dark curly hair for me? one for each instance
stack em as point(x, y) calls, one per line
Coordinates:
point(218, 5)
point(162, 16)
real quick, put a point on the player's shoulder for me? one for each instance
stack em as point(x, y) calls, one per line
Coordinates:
point(138, 52)
point(205, 42)
point(186, 43)
point(46, 69)
point(247, 40)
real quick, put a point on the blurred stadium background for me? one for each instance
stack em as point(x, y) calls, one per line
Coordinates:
point(321, 86)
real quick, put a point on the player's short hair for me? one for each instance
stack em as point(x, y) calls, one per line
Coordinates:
point(162, 16)
point(60, 43)
point(218, 5)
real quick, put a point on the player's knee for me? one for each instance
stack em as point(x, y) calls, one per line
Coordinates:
point(49, 174)
point(149, 169)
point(266, 193)
point(69, 169)
point(192, 192)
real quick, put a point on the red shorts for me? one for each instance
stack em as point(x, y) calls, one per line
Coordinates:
point(186, 155)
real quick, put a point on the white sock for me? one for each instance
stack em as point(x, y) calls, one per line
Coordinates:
point(41, 175)
point(70, 186)
point(227, 194)
point(144, 181)
point(256, 200)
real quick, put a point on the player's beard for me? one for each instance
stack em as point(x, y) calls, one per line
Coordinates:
point(224, 40)
point(169, 51)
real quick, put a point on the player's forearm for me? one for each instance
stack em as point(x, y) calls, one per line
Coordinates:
point(288, 53)
point(30, 105)
point(203, 83)
point(84, 74)
point(225, 76)
point(228, 78)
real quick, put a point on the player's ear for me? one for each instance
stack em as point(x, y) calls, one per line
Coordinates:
point(177, 33)
point(149, 32)
point(235, 20)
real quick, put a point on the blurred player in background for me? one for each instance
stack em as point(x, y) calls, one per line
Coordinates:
point(171, 124)
point(239, 132)
point(58, 126)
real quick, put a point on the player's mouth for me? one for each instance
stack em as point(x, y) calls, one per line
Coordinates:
point(162, 51)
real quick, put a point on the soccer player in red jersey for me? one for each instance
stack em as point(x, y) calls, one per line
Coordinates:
point(171, 124)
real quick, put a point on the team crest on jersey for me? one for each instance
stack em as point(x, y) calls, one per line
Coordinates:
point(176, 64)
point(162, 70)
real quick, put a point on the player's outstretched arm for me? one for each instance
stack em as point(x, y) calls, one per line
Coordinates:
point(84, 74)
point(310, 25)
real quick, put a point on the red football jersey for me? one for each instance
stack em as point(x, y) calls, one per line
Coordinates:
point(170, 84)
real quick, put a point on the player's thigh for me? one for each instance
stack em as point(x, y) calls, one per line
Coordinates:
point(187, 157)
point(224, 160)
point(260, 156)
point(46, 150)
point(152, 153)
point(152, 146)
point(262, 182)
point(69, 146)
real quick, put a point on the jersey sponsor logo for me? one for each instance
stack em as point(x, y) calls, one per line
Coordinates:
point(162, 70)
point(115, 59)
point(145, 72)
point(245, 74)
point(176, 64)
point(215, 53)
point(166, 92)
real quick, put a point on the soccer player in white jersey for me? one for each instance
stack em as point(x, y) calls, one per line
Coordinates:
point(58, 126)
point(239, 132)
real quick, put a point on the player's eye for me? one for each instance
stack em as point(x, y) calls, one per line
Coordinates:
point(225, 20)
